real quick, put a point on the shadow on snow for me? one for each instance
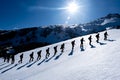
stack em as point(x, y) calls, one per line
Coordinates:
point(41, 62)
point(32, 63)
point(71, 53)
point(101, 43)
point(2, 64)
point(58, 56)
point(47, 60)
point(110, 40)
point(82, 49)
point(5, 66)
point(92, 46)
point(9, 68)
point(22, 66)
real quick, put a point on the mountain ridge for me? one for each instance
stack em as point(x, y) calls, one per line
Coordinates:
point(55, 33)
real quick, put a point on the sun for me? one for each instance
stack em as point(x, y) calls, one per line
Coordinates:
point(72, 7)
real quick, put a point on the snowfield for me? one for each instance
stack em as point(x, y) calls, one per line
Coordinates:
point(98, 62)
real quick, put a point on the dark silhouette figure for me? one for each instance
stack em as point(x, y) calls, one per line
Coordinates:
point(55, 50)
point(10, 54)
point(31, 57)
point(8, 58)
point(62, 47)
point(7, 55)
point(21, 58)
point(39, 55)
point(73, 44)
point(4, 55)
point(47, 53)
point(81, 42)
point(105, 35)
point(90, 39)
point(12, 59)
point(97, 37)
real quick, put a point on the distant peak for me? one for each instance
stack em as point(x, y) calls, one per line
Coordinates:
point(116, 15)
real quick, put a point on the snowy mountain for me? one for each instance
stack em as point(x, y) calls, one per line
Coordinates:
point(29, 38)
point(109, 21)
point(99, 61)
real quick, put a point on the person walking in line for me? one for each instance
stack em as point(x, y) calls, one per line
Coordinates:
point(81, 42)
point(105, 35)
point(47, 53)
point(8, 55)
point(8, 58)
point(11, 54)
point(62, 47)
point(39, 55)
point(90, 39)
point(21, 58)
point(55, 50)
point(73, 44)
point(4, 55)
point(31, 57)
point(97, 37)
point(12, 59)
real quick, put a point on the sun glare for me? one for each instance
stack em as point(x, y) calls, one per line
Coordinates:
point(72, 7)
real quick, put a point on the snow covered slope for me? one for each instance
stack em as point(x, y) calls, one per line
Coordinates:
point(98, 62)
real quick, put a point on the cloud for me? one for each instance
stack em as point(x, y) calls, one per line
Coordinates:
point(46, 8)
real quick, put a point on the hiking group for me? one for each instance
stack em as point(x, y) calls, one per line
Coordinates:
point(10, 53)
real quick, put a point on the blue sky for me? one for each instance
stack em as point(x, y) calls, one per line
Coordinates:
point(32, 13)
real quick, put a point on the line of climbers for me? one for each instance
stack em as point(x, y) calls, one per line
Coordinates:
point(12, 56)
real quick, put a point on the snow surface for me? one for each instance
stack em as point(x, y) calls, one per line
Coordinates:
point(99, 62)
point(108, 21)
